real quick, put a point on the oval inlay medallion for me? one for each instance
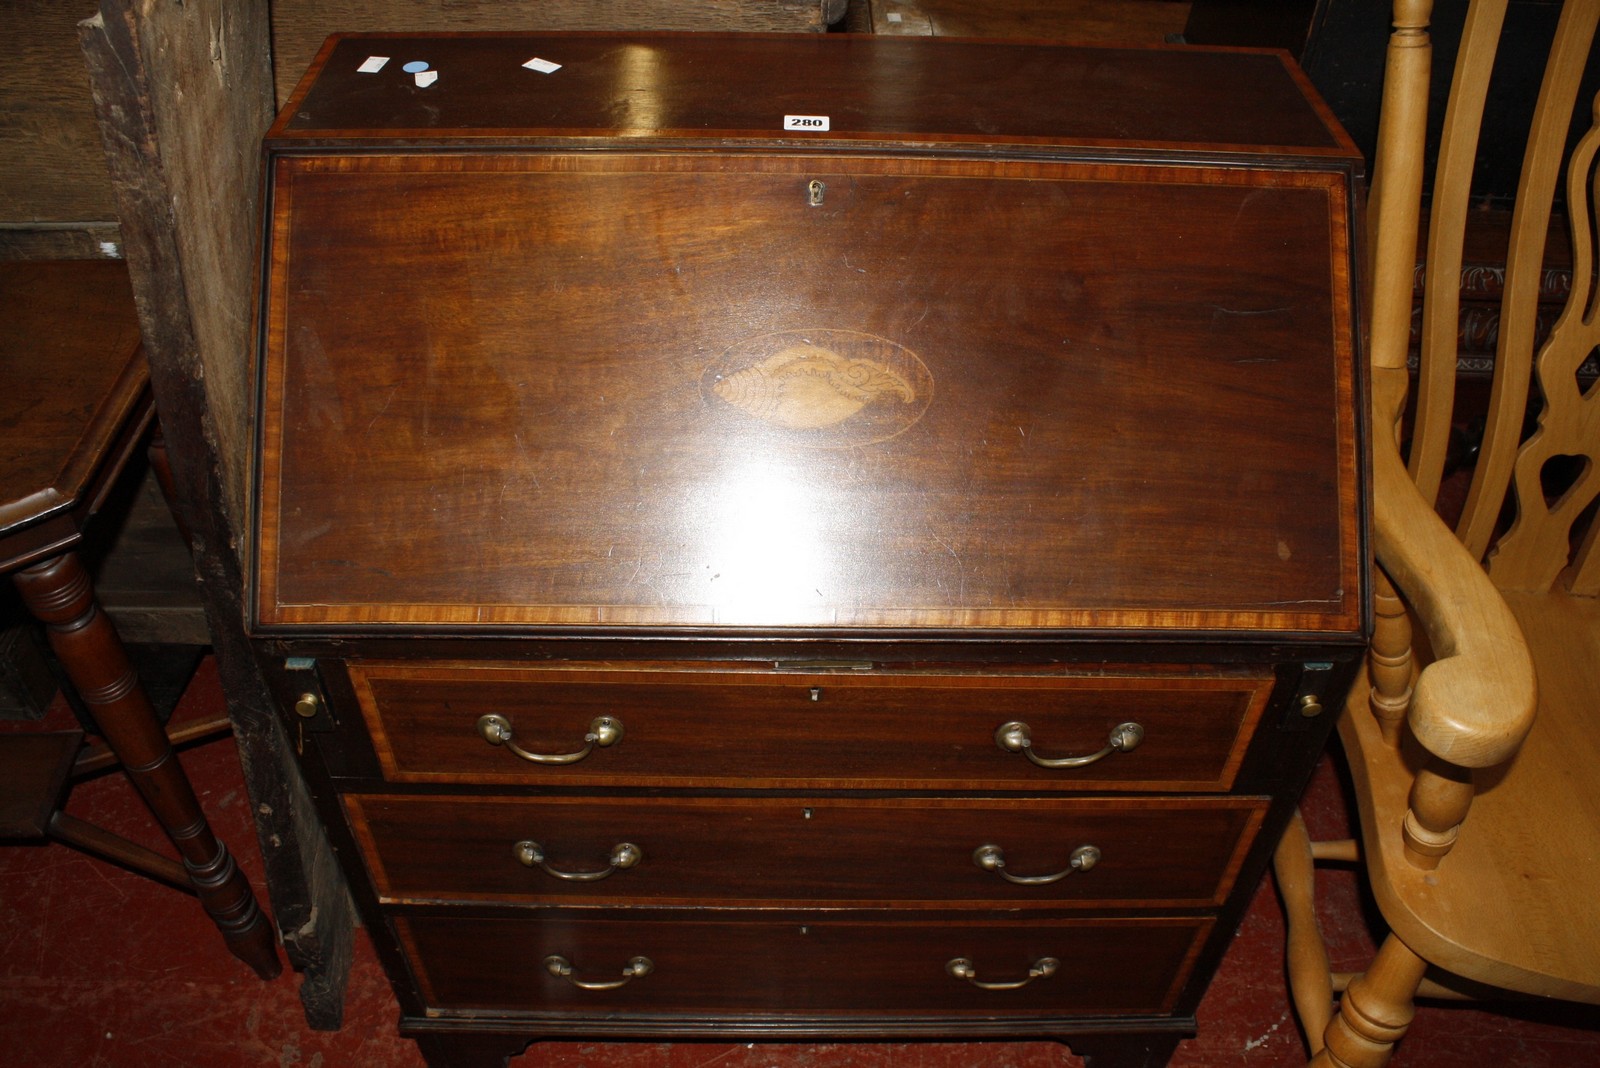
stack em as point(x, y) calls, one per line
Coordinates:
point(828, 388)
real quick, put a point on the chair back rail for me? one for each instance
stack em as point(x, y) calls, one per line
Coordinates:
point(1395, 192)
point(1541, 540)
point(1535, 549)
point(1441, 308)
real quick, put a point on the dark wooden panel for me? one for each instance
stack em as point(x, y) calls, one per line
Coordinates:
point(1170, 852)
point(813, 964)
point(753, 729)
point(893, 89)
point(67, 393)
point(34, 769)
point(91, 240)
point(619, 391)
point(1078, 21)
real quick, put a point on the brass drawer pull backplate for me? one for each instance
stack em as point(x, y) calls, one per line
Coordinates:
point(561, 968)
point(1017, 737)
point(603, 731)
point(993, 858)
point(623, 855)
point(962, 968)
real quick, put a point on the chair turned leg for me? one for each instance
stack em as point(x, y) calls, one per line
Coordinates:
point(59, 594)
point(1375, 1011)
point(1310, 981)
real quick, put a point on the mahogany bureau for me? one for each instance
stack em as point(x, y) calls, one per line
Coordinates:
point(777, 537)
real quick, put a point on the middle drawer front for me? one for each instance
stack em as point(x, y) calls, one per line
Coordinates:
point(1146, 852)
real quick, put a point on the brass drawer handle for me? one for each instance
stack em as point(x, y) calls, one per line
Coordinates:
point(962, 968)
point(603, 731)
point(1016, 737)
point(993, 858)
point(623, 855)
point(561, 968)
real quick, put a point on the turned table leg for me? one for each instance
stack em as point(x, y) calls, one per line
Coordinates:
point(59, 594)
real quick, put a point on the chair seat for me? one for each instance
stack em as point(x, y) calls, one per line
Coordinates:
point(1514, 903)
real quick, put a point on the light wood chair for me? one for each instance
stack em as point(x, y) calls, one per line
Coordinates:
point(1474, 741)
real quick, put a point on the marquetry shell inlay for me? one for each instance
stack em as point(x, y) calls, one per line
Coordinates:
point(830, 388)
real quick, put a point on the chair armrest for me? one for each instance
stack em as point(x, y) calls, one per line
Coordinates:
point(1474, 704)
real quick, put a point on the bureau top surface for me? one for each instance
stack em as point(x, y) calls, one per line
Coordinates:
point(534, 387)
point(909, 91)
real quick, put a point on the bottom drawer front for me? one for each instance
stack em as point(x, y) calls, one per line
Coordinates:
point(810, 965)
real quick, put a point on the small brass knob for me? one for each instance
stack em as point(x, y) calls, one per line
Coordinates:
point(1311, 706)
point(307, 706)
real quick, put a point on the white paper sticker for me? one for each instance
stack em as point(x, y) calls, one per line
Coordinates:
point(373, 64)
point(895, 16)
point(426, 78)
point(805, 122)
point(543, 66)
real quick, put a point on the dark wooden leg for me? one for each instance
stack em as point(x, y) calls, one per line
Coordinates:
point(469, 1050)
point(161, 464)
point(1125, 1051)
point(58, 592)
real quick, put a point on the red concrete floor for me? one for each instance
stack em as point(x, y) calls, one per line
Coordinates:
point(99, 967)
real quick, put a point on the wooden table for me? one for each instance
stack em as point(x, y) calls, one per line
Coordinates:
point(75, 406)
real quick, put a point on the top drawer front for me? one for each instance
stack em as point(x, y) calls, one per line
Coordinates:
point(780, 729)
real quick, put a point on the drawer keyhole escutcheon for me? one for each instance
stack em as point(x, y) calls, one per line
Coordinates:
point(623, 855)
point(561, 968)
point(1017, 737)
point(603, 731)
point(962, 968)
point(993, 858)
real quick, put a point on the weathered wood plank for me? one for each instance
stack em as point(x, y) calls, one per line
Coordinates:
point(182, 94)
point(51, 168)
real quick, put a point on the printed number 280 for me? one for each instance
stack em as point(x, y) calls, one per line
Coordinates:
point(805, 122)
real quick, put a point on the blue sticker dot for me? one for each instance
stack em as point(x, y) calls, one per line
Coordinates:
point(416, 66)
